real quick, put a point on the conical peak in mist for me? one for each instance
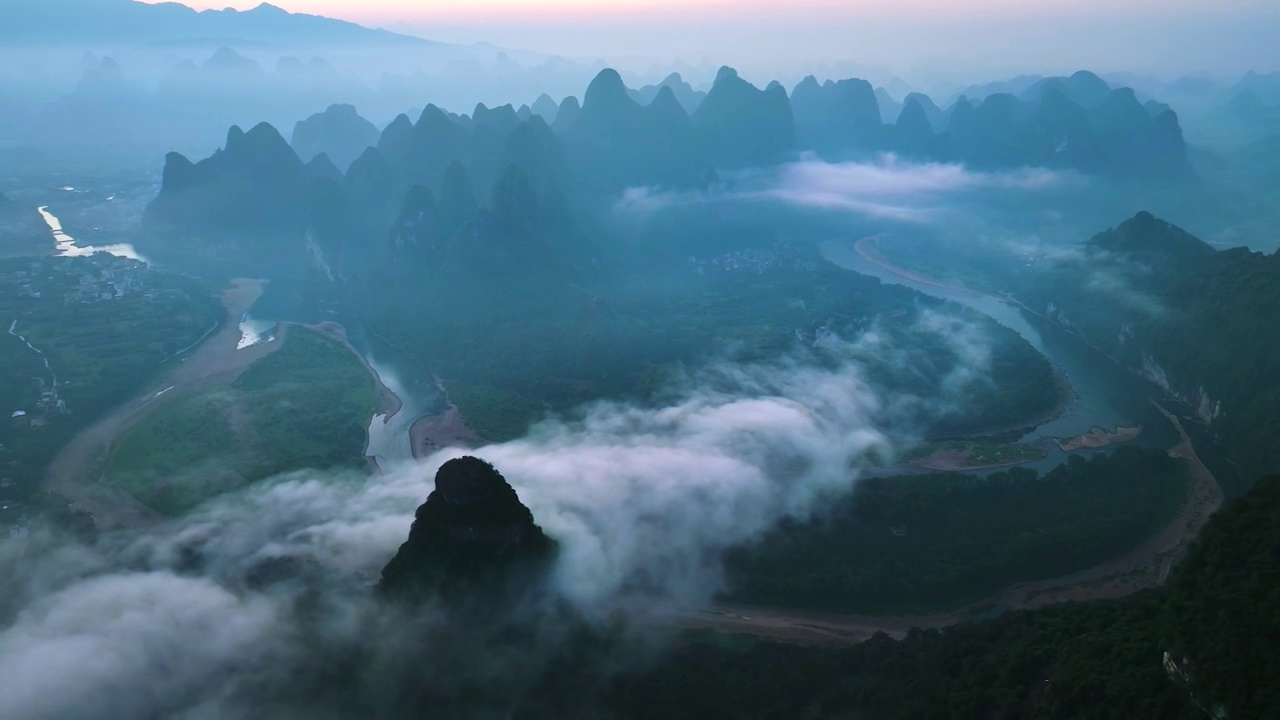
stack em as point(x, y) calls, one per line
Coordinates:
point(725, 74)
point(472, 532)
point(339, 132)
point(606, 96)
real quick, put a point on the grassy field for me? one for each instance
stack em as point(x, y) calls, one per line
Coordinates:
point(108, 326)
point(305, 406)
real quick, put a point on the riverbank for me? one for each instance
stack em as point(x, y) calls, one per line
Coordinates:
point(75, 471)
point(1098, 438)
point(389, 403)
point(868, 249)
point(968, 459)
point(437, 432)
point(1146, 566)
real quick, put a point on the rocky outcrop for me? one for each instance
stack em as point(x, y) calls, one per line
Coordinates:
point(684, 93)
point(338, 132)
point(936, 117)
point(1206, 408)
point(471, 534)
point(545, 108)
point(615, 142)
point(739, 125)
point(567, 115)
point(250, 195)
point(534, 148)
point(913, 134)
point(836, 118)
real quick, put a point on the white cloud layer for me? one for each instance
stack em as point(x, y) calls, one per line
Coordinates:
point(183, 620)
point(887, 188)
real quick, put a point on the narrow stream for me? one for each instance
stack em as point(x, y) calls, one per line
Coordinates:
point(53, 388)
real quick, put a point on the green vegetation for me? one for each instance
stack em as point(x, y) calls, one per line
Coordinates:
point(937, 542)
point(179, 455)
point(495, 412)
point(1228, 307)
point(511, 352)
point(980, 454)
point(307, 405)
point(106, 325)
point(1162, 302)
point(1217, 619)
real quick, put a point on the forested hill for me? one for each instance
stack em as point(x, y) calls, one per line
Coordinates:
point(1219, 331)
point(1197, 321)
point(1204, 646)
point(1159, 245)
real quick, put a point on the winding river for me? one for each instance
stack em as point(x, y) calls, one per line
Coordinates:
point(389, 439)
point(1102, 393)
point(53, 387)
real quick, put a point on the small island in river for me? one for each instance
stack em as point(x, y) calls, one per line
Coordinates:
point(1098, 438)
point(962, 456)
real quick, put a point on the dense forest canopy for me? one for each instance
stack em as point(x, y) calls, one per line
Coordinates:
point(1202, 646)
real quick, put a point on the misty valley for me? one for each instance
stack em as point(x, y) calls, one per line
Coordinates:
point(349, 374)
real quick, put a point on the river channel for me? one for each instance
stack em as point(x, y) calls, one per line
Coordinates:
point(389, 439)
point(1103, 394)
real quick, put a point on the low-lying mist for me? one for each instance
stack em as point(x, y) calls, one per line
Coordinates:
point(262, 601)
point(888, 188)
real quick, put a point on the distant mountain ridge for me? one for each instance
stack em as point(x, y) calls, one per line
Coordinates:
point(1078, 122)
point(126, 21)
point(344, 182)
point(339, 133)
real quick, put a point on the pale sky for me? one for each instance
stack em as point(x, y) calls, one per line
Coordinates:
point(1167, 37)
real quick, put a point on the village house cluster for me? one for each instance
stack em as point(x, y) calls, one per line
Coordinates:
point(755, 260)
point(101, 278)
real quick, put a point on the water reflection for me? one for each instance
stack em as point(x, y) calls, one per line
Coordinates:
point(1102, 393)
point(66, 245)
point(254, 331)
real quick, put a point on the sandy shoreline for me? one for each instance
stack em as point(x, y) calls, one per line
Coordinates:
point(1098, 438)
point(869, 249)
point(217, 361)
point(437, 432)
